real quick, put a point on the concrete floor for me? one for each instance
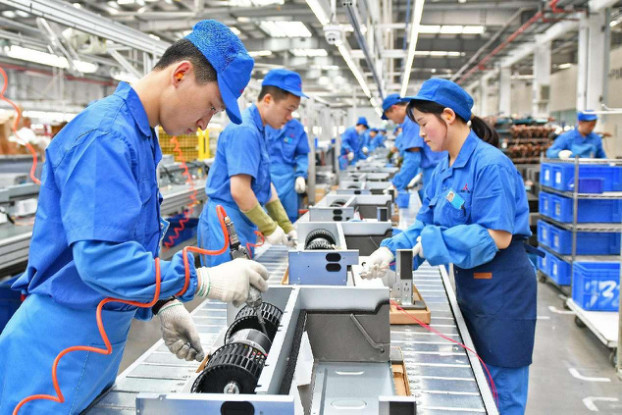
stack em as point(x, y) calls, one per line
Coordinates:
point(571, 373)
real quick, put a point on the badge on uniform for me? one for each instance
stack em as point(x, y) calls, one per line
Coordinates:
point(455, 199)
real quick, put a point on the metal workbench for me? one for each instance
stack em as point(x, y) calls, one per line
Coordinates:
point(442, 376)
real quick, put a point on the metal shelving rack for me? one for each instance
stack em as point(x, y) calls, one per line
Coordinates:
point(601, 323)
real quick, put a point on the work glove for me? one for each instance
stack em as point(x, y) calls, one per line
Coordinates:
point(415, 181)
point(378, 263)
point(564, 154)
point(418, 249)
point(365, 150)
point(278, 237)
point(178, 331)
point(300, 186)
point(231, 281)
point(292, 238)
point(350, 156)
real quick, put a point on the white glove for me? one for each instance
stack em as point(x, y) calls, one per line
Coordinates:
point(378, 263)
point(178, 331)
point(230, 282)
point(365, 150)
point(278, 237)
point(389, 190)
point(350, 156)
point(415, 181)
point(418, 248)
point(300, 186)
point(292, 238)
point(564, 154)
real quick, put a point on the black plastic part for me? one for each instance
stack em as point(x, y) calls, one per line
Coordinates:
point(293, 354)
point(233, 362)
point(237, 408)
point(247, 319)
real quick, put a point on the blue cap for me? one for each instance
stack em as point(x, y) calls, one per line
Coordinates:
point(446, 93)
point(226, 53)
point(285, 79)
point(362, 121)
point(389, 101)
point(586, 115)
point(373, 130)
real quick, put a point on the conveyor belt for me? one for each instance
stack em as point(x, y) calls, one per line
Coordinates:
point(441, 375)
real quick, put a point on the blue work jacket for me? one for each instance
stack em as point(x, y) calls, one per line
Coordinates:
point(590, 146)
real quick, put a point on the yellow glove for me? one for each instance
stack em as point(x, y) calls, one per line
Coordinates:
point(260, 218)
point(277, 212)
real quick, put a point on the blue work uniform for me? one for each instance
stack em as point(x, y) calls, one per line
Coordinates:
point(496, 289)
point(378, 141)
point(351, 142)
point(97, 230)
point(241, 149)
point(289, 159)
point(590, 146)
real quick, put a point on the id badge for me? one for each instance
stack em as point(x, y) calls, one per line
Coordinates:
point(455, 199)
point(164, 225)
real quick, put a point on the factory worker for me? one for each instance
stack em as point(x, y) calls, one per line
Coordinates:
point(378, 140)
point(475, 215)
point(582, 141)
point(370, 136)
point(240, 176)
point(98, 229)
point(288, 148)
point(352, 141)
point(417, 154)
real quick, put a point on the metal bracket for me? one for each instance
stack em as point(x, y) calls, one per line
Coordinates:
point(371, 341)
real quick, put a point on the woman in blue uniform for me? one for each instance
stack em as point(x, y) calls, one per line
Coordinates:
point(288, 148)
point(98, 229)
point(475, 215)
point(240, 176)
point(352, 141)
point(582, 141)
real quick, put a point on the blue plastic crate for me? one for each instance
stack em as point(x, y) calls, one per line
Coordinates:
point(10, 301)
point(596, 285)
point(590, 185)
point(588, 243)
point(544, 203)
point(544, 262)
point(189, 231)
point(546, 174)
point(563, 176)
point(559, 270)
point(544, 233)
point(589, 210)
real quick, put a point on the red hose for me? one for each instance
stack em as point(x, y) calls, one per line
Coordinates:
point(102, 331)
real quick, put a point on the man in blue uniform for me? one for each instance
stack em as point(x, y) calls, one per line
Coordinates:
point(97, 230)
point(240, 176)
point(352, 141)
point(582, 141)
point(378, 140)
point(417, 154)
point(289, 150)
point(475, 215)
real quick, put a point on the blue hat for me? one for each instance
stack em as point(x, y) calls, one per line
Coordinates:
point(446, 93)
point(226, 53)
point(586, 115)
point(373, 130)
point(362, 121)
point(389, 101)
point(285, 79)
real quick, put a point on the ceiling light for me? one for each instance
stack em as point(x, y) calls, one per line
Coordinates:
point(156, 37)
point(309, 52)
point(76, 5)
point(259, 53)
point(452, 29)
point(123, 76)
point(243, 19)
point(319, 11)
point(564, 66)
point(356, 71)
point(126, 1)
point(430, 29)
point(412, 43)
point(285, 29)
point(235, 30)
point(31, 55)
point(9, 14)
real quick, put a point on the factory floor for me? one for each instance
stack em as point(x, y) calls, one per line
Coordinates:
point(571, 373)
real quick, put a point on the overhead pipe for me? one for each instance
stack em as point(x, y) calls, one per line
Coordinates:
point(551, 6)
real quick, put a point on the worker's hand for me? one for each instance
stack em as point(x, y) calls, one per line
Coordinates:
point(300, 186)
point(564, 154)
point(179, 333)
point(418, 248)
point(350, 156)
point(365, 150)
point(292, 238)
point(277, 237)
point(378, 263)
point(415, 181)
point(230, 282)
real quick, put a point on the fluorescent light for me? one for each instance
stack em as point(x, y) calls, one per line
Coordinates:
point(123, 76)
point(235, 30)
point(564, 66)
point(31, 55)
point(319, 11)
point(126, 1)
point(438, 53)
point(356, 71)
point(285, 29)
point(452, 29)
point(22, 14)
point(9, 14)
point(309, 52)
point(258, 53)
point(76, 5)
point(412, 45)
